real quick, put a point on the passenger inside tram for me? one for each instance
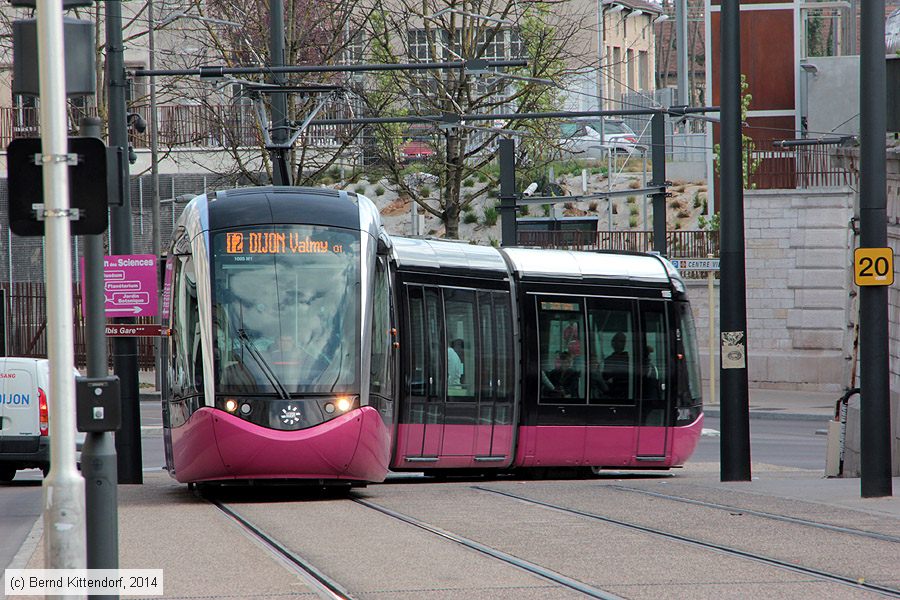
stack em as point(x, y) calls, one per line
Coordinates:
point(563, 378)
point(615, 368)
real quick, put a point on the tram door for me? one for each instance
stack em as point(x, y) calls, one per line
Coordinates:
point(459, 376)
point(654, 410)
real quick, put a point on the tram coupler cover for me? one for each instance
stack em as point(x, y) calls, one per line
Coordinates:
point(98, 405)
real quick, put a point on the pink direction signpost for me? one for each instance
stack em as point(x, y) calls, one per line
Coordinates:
point(130, 285)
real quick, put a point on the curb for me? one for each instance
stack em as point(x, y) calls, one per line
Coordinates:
point(769, 415)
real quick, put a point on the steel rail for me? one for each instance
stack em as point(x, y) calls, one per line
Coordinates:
point(824, 575)
point(525, 565)
point(322, 585)
point(766, 515)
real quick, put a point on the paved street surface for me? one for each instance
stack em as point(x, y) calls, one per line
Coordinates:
point(789, 533)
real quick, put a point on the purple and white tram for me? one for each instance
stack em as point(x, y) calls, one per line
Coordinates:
point(307, 344)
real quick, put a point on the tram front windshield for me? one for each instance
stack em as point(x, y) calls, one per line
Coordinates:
point(286, 310)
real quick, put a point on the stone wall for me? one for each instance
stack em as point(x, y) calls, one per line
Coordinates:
point(798, 257)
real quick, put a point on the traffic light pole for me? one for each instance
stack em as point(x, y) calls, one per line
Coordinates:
point(128, 440)
point(98, 456)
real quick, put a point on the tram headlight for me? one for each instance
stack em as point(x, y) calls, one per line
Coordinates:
point(246, 408)
point(340, 405)
point(231, 405)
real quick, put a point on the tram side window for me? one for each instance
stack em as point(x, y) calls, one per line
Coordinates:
point(562, 361)
point(689, 382)
point(380, 376)
point(185, 318)
point(437, 346)
point(459, 306)
point(416, 331)
point(654, 363)
point(612, 356)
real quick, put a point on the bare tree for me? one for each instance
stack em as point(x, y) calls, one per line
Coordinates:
point(404, 31)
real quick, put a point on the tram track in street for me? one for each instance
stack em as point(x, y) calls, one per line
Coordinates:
point(766, 515)
point(509, 559)
point(327, 588)
point(322, 585)
point(721, 548)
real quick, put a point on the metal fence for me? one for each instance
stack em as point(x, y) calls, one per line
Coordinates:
point(26, 325)
point(182, 125)
point(679, 243)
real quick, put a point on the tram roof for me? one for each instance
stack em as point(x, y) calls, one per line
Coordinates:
point(538, 263)
point(531, 263)
point(426, 254)
point(284, 204)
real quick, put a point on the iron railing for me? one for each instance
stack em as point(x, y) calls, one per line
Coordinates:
point(797, 167)
point(198, 126)
point(679, 243)
point(26, 325)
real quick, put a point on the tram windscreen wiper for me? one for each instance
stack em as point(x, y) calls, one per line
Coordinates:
point(263, 364)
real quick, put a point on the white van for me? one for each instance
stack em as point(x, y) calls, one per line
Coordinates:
point(24, 422)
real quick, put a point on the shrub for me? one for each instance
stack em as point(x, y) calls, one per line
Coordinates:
point(569, 205)
point(697, 200)
point(546, 208)
point(632, 199)
point(360, 189)
point(677, 226)
point(470, 217)
point(635, 184)
point(523, 210)
point(633, 222)
point(379, 191)
point(684, 213)
point(676, 204)
point(425, 191)
point(469, 182)
point(482, 177)
point(593, 206)
point(490, 216)
point(634, 210)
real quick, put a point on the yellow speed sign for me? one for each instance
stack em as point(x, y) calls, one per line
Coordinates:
point(873, 266)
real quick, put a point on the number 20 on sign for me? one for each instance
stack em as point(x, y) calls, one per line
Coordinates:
point(873, 266)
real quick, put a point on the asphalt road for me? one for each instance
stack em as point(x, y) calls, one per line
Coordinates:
point(784, 442)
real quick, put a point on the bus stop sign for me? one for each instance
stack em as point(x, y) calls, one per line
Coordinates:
point(87, 186)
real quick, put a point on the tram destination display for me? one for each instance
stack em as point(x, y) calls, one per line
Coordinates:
point(278, 242)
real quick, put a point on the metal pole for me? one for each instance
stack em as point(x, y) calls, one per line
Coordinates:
point(733, 396)
point(681, 48)
point(874, 406)
point(64, 541)
point(281, 170)
point(128, 440)
point(712, 334)
point(507, 158)
point(658, 156)
point(98, 456)
point(154, 172)
point(852, 28)
point(601, 52)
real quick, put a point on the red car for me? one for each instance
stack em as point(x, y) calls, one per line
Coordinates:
point(415, 149)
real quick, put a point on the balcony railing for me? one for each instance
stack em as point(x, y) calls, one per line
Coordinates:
point(180, 125)
point(799, 167)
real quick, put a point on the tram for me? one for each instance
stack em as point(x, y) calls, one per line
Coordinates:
point(308, 345)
